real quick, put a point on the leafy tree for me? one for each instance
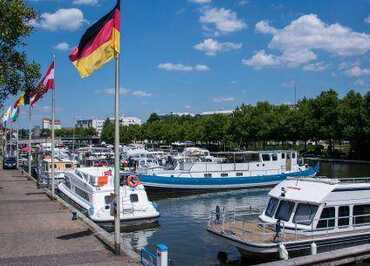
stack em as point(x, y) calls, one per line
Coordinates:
point(15, 72)
point(107, 134)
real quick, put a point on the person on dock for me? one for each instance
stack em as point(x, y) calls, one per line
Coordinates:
point(277, 230)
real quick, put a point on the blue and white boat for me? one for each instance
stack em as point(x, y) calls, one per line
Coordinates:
point(230, 170)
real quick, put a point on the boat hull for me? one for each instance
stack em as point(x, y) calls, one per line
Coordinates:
point(296, 248)
point(200, 183)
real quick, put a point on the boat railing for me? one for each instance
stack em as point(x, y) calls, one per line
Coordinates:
point(236, 222)
point(355, 180)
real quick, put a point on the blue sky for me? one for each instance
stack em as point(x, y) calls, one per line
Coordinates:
point(204, 55)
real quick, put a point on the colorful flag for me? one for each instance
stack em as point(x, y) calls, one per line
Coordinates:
point(14, 114)
point(19, 101)
point(6, 115)
point(99, 44)
point(46, 83)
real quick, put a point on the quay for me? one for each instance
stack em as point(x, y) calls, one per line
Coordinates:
point(344, 256)
point(35, 230)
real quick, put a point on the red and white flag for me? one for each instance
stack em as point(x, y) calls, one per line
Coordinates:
point(46, 84)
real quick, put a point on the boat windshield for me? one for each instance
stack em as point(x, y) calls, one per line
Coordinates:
point(271, 207)
point(305, 213)
point(284, 210)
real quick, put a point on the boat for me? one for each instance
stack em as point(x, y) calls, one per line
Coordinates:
point(230, 170)
point(301, 214)
point(92, 189)
point(61, 166)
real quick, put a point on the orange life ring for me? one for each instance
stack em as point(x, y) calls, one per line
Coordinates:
point(133, 181)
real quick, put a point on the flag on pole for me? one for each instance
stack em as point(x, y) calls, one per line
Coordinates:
point(6, 115)
point(19, 101)
point(46, 84)
point(14, 114)
point(99, 44)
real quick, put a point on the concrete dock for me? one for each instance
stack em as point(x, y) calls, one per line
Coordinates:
point(37, 231)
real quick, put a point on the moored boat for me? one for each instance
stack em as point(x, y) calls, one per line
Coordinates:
point(92, 189)
point(229, 171)
point(301, 212)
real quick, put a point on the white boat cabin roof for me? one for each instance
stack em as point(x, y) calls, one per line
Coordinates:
point(322, 190)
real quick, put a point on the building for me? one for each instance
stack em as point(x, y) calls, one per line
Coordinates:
point(46, 123)
point(128, 120)
point(97, 124)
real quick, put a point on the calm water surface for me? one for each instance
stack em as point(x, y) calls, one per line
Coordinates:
point(184, 219)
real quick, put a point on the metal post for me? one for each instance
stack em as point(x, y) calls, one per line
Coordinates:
point(73, 135)
point(117, 220)
point(17, 146)
point(29, 141)
point(53, 138)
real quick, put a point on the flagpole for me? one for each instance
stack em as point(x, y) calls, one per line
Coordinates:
point(29, 140)
point(53, 137)
point(117, 220)
point(16, 149)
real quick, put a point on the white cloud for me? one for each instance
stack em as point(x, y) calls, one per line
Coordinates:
point(221, 19)
point(298, 41)
point(85, 2)
point(187, 107)
point(264, 27)
point(315, 67)
point(357, 71)
point(212, 47)
point(140, 93)
point(63, 19)
point(243, 2)
point(367, 20)
point(360, 82)
point(289, 84)
point(126, 92)
point(223, 99)
point(181, 67)
point(201, 1)
point(62, 46)
point(261, 59)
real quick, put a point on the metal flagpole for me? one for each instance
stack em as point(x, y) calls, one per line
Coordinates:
point(29, 140)
point(53, 137)
point(17, 146)
point(117, 221)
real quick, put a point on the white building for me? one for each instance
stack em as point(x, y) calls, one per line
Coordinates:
point(46, 123)
point(128, 120)
point(97, 124)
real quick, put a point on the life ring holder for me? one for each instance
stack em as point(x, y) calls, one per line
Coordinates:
point(133, 181)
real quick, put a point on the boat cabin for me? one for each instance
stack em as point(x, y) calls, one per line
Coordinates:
point(319, 204)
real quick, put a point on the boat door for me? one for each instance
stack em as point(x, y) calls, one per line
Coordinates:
point(288, 161)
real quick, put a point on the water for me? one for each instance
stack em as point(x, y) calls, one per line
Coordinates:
point(184, 219)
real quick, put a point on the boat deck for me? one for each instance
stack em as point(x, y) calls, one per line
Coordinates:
point(251, 232)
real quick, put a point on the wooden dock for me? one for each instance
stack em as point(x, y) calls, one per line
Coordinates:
point(35, 230)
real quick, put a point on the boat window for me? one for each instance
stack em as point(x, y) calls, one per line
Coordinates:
point(108, 199)
point(288, 156)
point(343, 216)
point(67, 182)
point(304, 213)
point(68, 165)
point(271, 207)
point(361, 214)
point(327, 218)
point(82, 194)
point(239, 174)
point(283, 156)
point(266, 157)
point(134, 198)
point(224, 174)
point(274, 157)
point(284, 210)
point(207, 175)
point(293, 155)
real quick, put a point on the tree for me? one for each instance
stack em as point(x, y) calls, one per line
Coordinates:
point(15, 72)
point(107, 134)
point(153, 117)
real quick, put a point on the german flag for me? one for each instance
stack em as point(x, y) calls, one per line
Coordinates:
point(99, 44)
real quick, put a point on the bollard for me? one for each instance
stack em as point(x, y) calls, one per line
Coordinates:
point(313, 248)
point(283, 253)
point(162, 255)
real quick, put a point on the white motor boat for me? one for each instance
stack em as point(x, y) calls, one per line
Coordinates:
point(92, 188)
point(301, 212)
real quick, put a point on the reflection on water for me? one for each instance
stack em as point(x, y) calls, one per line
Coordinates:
point(184, 220)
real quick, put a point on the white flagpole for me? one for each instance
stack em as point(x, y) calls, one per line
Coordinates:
point(53, 137)
point(117, 220)
point(17, 146)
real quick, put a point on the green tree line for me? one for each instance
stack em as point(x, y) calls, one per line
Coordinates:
point(326, 117)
